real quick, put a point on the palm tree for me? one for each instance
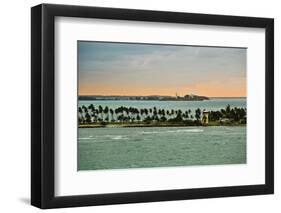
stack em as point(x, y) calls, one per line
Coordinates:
point(141, 113)
point(178, 117)
point(88, 118)
point(227, 111)
point(179, 111)
point(198, 114)
point(111, 112)
point(147, 119)
point(126, 110)
point(80, 111)
point(172, 112)
point(135, 112)
point(185, 115)
point(146, 112)
point(95, 115)
point(120, 117)
point(91, 107)
point(155, 117)
point(85, 110)
point(80, 115)
point(215, 115)
point(117, 110)
point(101, 112)
point(159, 111)
point(106, 110)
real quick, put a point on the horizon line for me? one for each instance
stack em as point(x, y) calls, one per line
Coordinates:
point(163, 96)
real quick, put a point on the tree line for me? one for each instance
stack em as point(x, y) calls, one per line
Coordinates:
point(99, 114)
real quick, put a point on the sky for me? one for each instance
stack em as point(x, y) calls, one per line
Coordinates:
point(107, 68)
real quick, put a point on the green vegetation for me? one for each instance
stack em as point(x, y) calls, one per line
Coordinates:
point(98, 116)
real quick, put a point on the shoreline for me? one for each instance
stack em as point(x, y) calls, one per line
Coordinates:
point(159, 124)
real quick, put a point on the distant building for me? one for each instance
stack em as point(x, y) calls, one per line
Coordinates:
point(205, 117)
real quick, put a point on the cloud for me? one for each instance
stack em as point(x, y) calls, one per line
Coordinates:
point(158, 65)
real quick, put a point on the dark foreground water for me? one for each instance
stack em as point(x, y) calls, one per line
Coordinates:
point(141, 147)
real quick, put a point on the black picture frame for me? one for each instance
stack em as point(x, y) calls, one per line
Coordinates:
point(43, 110)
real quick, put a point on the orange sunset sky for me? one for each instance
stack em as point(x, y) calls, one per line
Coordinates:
point(106, 68)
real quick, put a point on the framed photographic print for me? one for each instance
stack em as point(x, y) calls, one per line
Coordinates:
point(139, 106)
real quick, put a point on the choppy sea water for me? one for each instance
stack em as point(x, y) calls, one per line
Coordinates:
point(144, 147)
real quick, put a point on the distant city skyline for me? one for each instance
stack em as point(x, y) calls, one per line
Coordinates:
point(127, 69)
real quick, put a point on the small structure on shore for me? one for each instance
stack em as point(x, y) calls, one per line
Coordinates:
point(225, 121)
point(205, 117)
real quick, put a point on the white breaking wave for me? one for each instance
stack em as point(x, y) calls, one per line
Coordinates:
point(125, 137)
point(153, 132)
point(173, 131)
point(118, 137)
point(185, 130)
point(86, 138)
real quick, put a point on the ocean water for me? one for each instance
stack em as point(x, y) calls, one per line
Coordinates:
point(145, 147)
point(212, 104)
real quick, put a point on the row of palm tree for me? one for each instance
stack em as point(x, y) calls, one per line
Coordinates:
point(98, 114)
point(233, 114)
